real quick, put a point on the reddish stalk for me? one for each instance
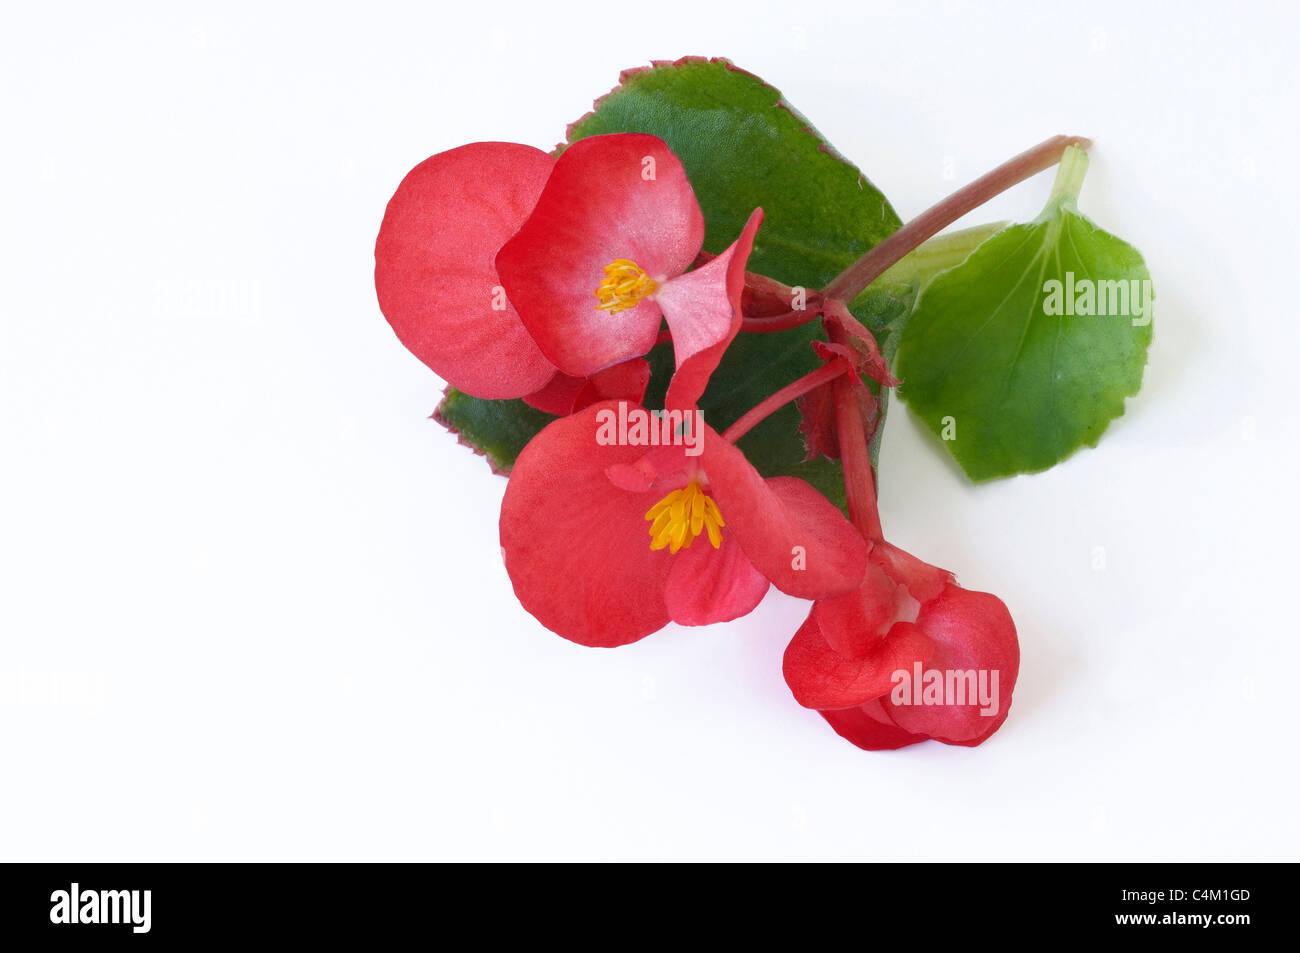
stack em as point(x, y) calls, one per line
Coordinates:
point(851, 282)
point(782, 322)
point(792, 391)
point(769, 288)
point(859, 480)
point(855, 455)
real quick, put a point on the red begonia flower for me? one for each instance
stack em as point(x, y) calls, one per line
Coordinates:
point(435, 270)
point(603, 258)
point(607, 542)
point(906, 617)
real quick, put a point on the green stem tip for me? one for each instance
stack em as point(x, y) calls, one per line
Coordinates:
point(1069, 175)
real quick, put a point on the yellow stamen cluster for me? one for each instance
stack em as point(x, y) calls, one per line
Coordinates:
point(624, 284)
point(682, 515)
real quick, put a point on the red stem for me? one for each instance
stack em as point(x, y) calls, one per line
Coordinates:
point(770, 288)
point(859, 481)
point(782, 322)
point(770, 405)
point(855, 455)
point(850, 283)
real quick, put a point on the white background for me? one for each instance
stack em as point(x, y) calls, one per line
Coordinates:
point(251, 601)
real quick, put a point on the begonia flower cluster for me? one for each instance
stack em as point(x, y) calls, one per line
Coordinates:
point(514, 273)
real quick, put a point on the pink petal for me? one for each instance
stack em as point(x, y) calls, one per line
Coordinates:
point(704, 314)
point(434, 266)
point(708, 585)
point(600, 205)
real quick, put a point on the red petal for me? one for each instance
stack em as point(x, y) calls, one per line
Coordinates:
point(558, 395)
point(657, 464)
point(703, 311)
point(854, 624)
point(821, 678)
point(565, 394)
point(923, 581)
point(972, 631)
point(784, 523)
point(868, 727)
point(626, 381)
point(835, 557)
point(577, 548)
point(434, 270)
point(598, 207)
point(708, 585)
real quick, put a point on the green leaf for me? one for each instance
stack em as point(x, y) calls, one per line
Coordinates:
point(743, 147)
point(887, 304)
point(497, 429)
point(994, 362)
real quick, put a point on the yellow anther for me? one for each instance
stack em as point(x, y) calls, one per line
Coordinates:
point(623, 286)
point(680, 516)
